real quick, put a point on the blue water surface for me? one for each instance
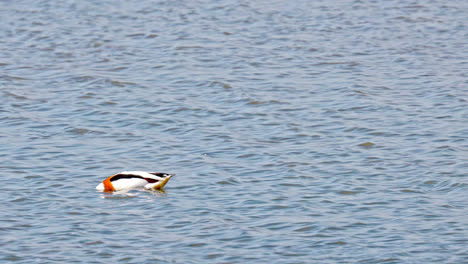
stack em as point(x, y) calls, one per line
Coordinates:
point(300, 131)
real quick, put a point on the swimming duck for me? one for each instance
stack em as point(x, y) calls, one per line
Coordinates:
point(127, 180)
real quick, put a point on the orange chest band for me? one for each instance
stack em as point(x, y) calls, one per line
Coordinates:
point(108, 185)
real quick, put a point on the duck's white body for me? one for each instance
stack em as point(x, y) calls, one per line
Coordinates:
point(128, 180)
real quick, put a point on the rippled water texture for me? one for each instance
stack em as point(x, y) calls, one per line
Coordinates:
point(300, 131)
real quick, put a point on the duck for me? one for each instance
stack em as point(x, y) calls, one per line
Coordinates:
point(128, 180)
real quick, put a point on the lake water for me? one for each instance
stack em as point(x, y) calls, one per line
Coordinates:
point(300, 131)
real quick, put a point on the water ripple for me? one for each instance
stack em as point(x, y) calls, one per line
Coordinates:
point(301, 132)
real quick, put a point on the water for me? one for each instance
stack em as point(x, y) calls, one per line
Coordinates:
point(300, 131)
